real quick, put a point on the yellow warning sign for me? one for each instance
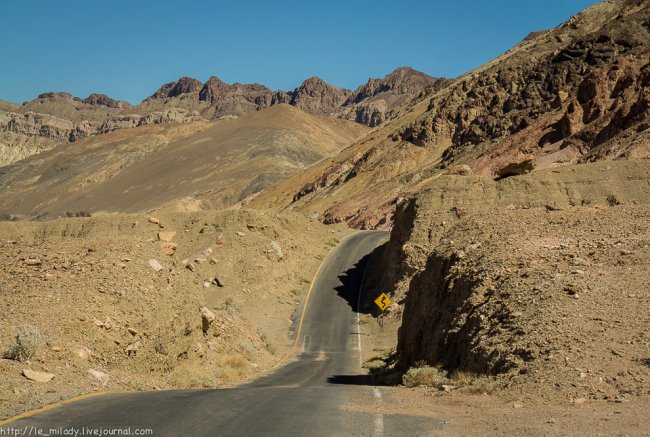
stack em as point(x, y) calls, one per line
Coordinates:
point(383, 301)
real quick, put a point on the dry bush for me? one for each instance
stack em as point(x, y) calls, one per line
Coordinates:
point(425, 375)
point(472, 383)
point(26, 343)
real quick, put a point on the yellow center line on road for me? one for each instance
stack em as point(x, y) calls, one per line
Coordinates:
point(51, 406)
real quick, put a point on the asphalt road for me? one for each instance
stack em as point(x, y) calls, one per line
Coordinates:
point(310, 396)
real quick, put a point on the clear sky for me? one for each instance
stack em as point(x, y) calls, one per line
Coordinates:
point(128, 48)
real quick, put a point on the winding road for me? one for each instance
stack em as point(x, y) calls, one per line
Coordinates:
point(313, 395)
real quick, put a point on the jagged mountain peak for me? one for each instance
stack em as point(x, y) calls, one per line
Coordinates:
point(184, 85)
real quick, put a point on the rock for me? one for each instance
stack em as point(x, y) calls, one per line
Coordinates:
point(447, 388)
point(132, 331)
point(154, 220)
point(154, 264)
point(56, 349)
point(184, 85)
point(133, 348)
point(516, 168)
point(218, 281)
point(207, 317)
point(37, 376)
point(167, 248)
point(517, 405)
point(166, 235)
point(189, 266)
point(461, 170)
point(219, 240)
point(100, 376)
point(240, 234)
point(33, 262)
point(200, 260)
point(207, 252)
point(206, 284)
point(82, 352)
point(277, 249)
point(579, 401)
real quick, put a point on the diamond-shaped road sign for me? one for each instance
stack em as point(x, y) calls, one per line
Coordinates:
point(383, 301)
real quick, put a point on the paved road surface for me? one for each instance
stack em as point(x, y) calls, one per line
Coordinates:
point(307, 397)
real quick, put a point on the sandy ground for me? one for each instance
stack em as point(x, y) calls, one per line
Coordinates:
point(108, 321)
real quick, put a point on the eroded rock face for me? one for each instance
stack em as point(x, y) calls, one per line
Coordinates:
point(22, 135)
point(184, 85)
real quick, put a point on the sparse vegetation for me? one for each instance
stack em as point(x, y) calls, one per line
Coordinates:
point(425, 375)
point(472, 383)
point(25, 345)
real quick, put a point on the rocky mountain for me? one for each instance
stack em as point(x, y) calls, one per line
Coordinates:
point(172, 166)
point(235, 99)
point(372, 103)
point(57, 117)
point(576, 93)
point(318, 97)
point(184, 85)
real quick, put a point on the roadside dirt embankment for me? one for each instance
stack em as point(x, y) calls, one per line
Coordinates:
point(539, 279)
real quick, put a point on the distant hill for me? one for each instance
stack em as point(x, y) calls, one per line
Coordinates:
point(192, 166)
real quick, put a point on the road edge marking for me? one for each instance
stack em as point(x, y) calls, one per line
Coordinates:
point(51, 406)
point(311, 287)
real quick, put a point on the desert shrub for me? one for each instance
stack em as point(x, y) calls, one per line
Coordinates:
point(425, 375)
point(472, 383)
point(25, 345)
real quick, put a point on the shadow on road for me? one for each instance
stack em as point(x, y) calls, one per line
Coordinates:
point(351, 282)
point(349, 379)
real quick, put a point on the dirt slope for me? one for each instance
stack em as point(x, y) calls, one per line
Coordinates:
point(109, 321)
point(170, 166)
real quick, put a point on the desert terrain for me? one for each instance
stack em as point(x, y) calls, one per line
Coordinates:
point(173, 244)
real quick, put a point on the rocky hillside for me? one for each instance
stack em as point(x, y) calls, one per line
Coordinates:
point(187, 166)
point(576, 93)
point(539, 279)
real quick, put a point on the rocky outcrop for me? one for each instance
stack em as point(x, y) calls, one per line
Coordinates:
point(184, 85)
point(104, 100)
point(373, 103)
point(318, 97)
point(235, 99)
point(67, 99)
point(403, 81)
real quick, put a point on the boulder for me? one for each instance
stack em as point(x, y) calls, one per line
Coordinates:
point(37, 376)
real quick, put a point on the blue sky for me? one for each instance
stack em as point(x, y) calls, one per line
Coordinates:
point(127, 49)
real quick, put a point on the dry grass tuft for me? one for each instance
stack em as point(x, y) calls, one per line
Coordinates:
point(26, 343)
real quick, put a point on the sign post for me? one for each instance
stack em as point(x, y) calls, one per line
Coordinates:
point(383, 302)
